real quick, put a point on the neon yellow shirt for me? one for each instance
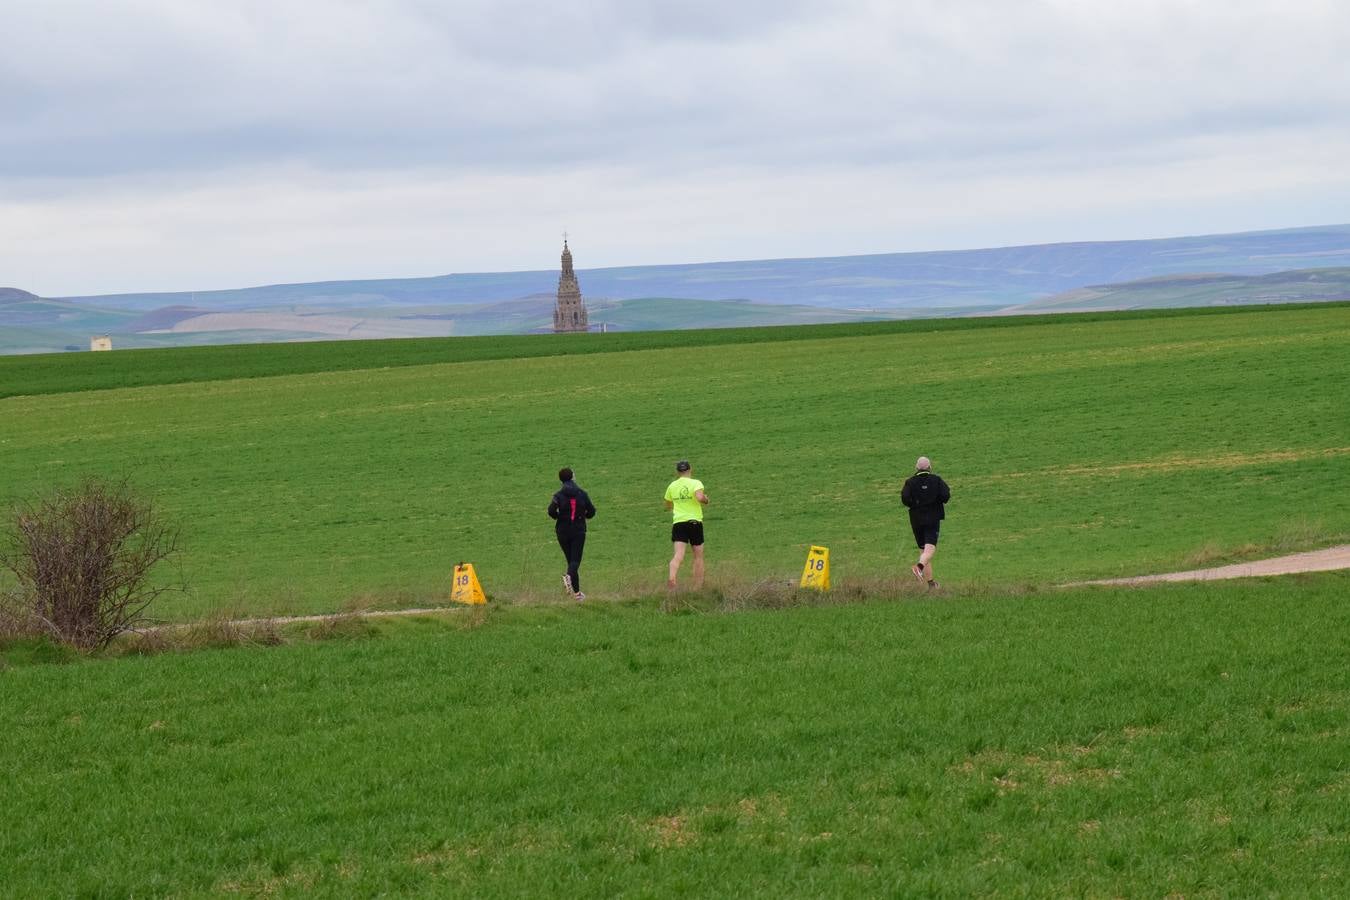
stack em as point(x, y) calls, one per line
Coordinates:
point(681, 493)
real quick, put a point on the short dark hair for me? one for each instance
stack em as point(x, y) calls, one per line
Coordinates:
point(564, 474)
point(682, 466)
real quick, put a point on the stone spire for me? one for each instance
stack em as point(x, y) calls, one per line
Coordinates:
point(570, 312)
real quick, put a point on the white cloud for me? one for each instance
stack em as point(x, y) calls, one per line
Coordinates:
point(173, 144)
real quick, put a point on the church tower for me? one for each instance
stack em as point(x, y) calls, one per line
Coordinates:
point(570, 312)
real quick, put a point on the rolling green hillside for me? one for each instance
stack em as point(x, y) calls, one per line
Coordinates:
point(44, 374)
point(1075, 448)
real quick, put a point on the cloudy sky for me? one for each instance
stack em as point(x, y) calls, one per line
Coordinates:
point(194, 144)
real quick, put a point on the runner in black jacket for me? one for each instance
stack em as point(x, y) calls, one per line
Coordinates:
point(570, 508)
point(926, 494)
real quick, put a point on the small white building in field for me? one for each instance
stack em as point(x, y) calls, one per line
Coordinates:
point(100, 342)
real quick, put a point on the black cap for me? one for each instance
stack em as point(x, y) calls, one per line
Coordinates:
point(682, 466)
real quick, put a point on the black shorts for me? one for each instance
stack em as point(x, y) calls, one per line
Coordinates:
point(926, 534)
point(690, 533)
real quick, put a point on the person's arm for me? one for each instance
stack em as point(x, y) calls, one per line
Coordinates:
point(590, 507)
point(907, 495)
point(946, 492)
point(670, 502)
point(553, 507)
point(701, 497)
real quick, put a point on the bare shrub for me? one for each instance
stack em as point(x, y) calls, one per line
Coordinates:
point(82, 558)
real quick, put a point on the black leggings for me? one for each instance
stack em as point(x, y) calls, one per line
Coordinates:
point(572, 543)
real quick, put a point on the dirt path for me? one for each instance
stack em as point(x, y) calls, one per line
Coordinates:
point(320, 617)
point(366, 614)
point(1315, 561)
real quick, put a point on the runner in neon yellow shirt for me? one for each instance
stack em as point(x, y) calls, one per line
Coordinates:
point(685, 498)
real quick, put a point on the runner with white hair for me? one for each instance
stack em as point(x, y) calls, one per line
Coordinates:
point(925, 494)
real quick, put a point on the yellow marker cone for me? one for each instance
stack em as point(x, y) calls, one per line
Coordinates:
point(467, 589)
point(817, 572)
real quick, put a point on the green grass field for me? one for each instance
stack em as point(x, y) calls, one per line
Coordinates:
point(1005, 737)
point(64, 372)
point(1185, 740)
point(1074, 449)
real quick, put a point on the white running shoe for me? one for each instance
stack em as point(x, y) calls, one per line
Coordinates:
point(918, 573)
point(567, 584)
point(578, 596)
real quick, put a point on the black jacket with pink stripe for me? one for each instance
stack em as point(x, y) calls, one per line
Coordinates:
point(570, 507)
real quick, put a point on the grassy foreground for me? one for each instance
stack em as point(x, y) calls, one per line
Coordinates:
point(1188, 740)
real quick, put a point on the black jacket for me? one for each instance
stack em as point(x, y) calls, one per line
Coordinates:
point(925, 493)
point(571, 507)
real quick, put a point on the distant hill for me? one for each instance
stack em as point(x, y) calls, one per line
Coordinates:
point(1202, 289)
point(10, 295)
point(32, 324)
point(1092, 275)
point(165, 318)
point(992, 277)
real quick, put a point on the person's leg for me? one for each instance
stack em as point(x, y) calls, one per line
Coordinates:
point(675, 563)
point(698, 567)
point(926, 560)
point(565, 542)
point(930, 541)
point(917, 568)
point(574, 560)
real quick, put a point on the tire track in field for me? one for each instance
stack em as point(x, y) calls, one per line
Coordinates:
point(1170, 463)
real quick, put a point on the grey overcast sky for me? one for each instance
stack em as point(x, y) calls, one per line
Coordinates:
point(194, 144)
